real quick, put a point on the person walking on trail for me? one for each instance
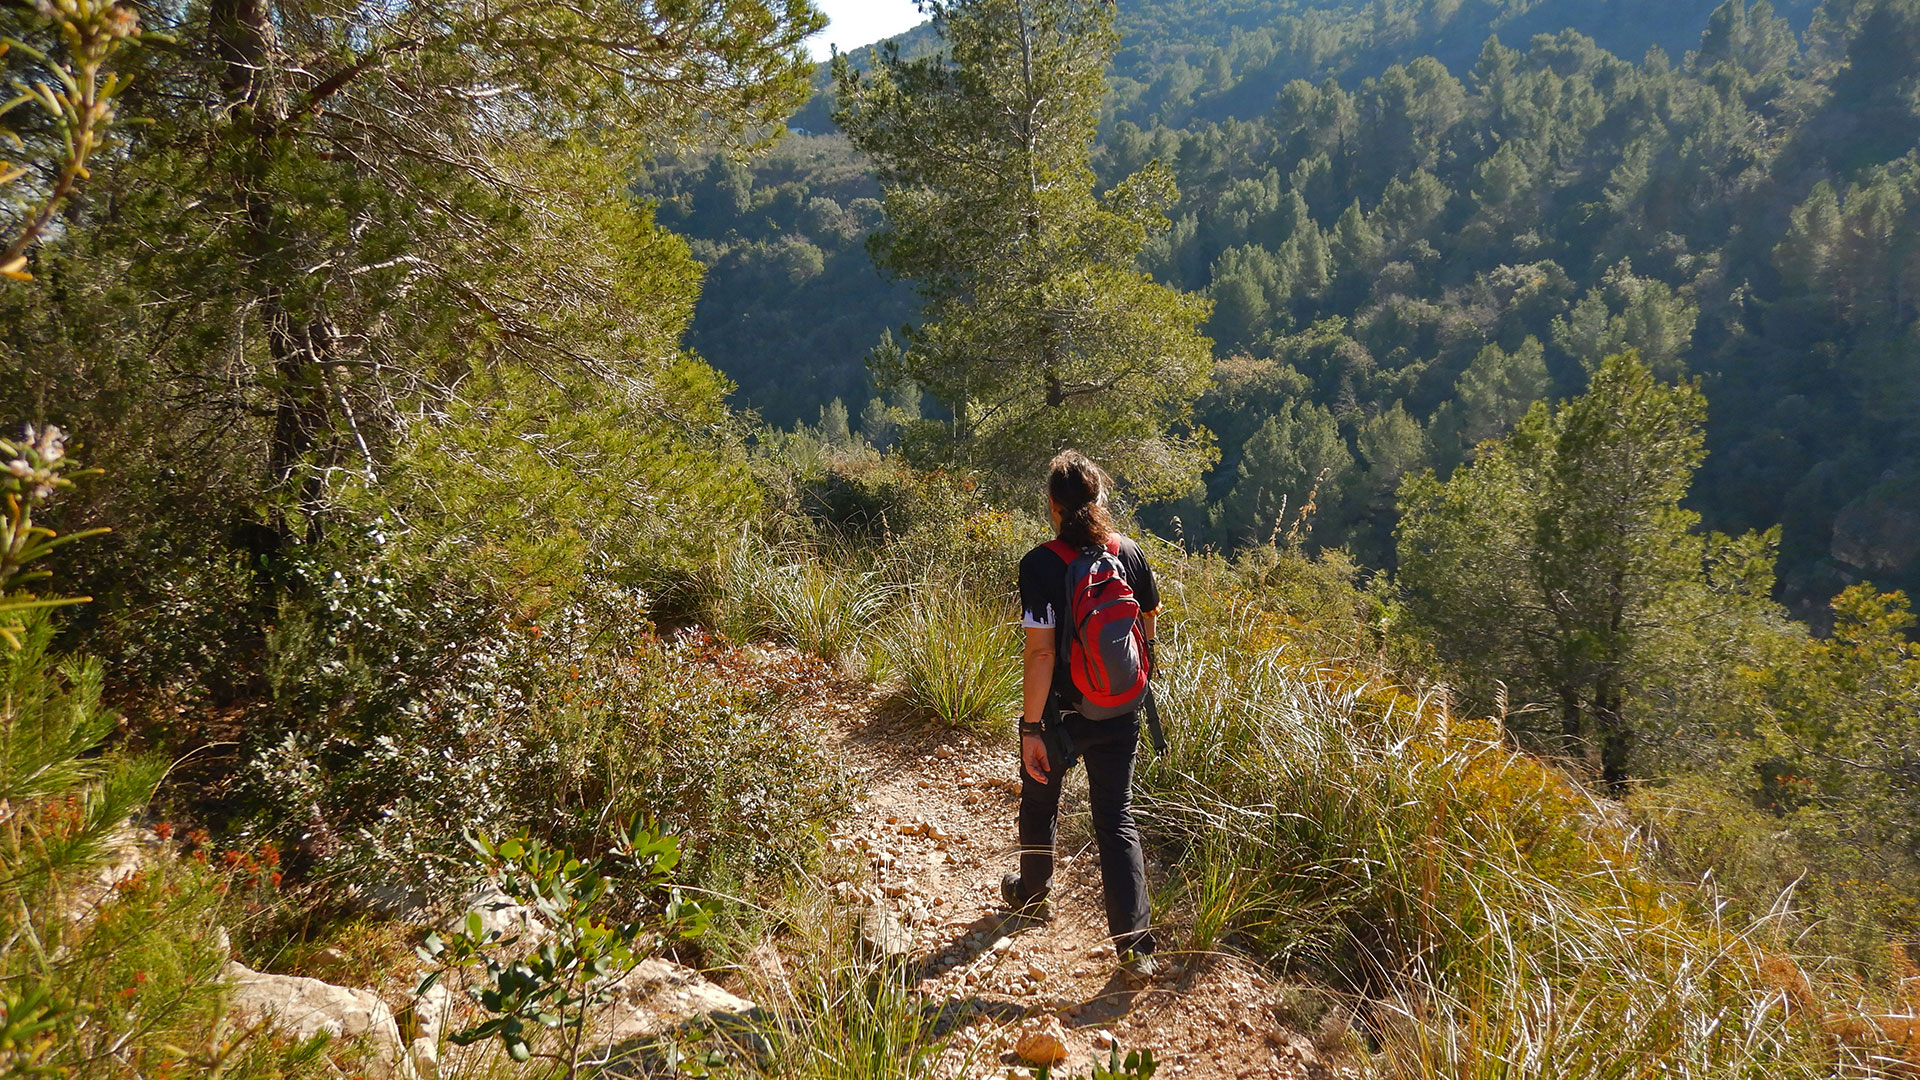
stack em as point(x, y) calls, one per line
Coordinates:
point(1088, 653)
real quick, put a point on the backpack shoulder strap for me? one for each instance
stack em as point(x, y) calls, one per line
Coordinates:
point(1154, 730)
point(1062, 549)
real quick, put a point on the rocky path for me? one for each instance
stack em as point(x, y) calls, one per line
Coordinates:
point(928, 843)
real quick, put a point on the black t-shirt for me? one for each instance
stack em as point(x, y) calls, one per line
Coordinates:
point(1043, 598)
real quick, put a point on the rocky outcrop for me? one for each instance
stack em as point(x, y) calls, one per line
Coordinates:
point(303, 1008)
point(659, 1003)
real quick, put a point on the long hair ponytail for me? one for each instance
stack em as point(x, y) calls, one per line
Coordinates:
point(1079, 488)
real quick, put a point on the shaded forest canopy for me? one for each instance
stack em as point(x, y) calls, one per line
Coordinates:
point(1416, 218)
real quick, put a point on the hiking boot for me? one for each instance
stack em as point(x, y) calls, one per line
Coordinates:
point(1037, 910)
point(1142, 968)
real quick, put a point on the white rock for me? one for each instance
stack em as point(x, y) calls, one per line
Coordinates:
point(765, 961)
point(659, 994)
point(128, 851)
point(426, 1056)
point(302, 1008)
point(882, 936)
point(500, 913)
point(427, 1021)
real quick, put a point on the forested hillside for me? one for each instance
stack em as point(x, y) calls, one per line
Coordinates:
point(1411, 231)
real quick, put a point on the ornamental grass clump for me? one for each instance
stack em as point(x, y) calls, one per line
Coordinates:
point(823, 608)
point(957, 656)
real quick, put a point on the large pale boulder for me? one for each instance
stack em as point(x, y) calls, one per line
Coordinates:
point(304, 1007)
point(660, 1001)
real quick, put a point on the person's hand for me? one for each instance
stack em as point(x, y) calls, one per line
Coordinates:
point(1033, 756)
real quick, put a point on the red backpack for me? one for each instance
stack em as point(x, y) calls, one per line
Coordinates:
point(1106, 645)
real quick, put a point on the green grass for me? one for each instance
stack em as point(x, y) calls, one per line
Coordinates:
point(825, 610)
point(833, 1013)
point(956, 656)
point(1495, 923)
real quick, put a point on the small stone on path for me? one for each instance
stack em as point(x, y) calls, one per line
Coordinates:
point(1043, 1042)
point(882, 936)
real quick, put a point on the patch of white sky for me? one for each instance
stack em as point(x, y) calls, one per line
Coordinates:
point(855, 23)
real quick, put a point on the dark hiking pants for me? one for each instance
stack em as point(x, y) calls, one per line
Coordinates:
point(1107, 748)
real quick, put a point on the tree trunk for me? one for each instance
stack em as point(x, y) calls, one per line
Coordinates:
point(1572, 724)
point(1616, 738)
point(246, 47)
point(298, 416)
point(243, 45)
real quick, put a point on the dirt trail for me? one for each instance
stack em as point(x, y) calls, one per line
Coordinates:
point(929, 841)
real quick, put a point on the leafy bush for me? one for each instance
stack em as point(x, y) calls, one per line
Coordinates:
point(552, 725)
point(558, 981)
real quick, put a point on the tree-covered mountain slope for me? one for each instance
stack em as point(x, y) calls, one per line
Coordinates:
point(1416, 219)
point(1182, 60)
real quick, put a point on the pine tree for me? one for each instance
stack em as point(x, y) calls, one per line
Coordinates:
point(1498, 388)
point(1038, 330)
point(1556, 558)
point(1297, 458)
point(1627, 311)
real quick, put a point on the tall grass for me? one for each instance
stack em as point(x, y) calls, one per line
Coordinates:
point(949, 647)
point(812, 601)
point(834, 1012)
point(825, 610)
point(957, 655)
point(1497, 922)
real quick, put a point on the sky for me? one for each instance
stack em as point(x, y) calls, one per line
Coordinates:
point(854, 23)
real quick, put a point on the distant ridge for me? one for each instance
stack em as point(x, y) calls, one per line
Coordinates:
point(1170, 68)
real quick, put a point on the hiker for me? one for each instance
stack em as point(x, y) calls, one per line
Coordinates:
point(1061, 721)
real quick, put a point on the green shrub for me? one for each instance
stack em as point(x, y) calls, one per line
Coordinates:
point(95, 982)
point(552, 724)
point(557, 983)
point(531, 491)
point(957, 655)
